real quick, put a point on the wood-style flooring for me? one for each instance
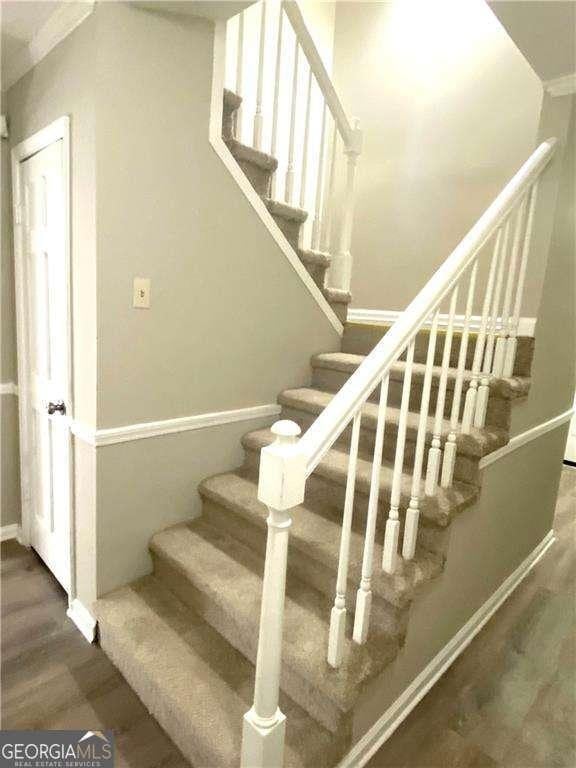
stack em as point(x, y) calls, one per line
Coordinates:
point(508, 701)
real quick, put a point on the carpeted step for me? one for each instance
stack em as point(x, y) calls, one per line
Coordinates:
point(221, 578)
point(231, 501)
point(195, 683)
point(316, 263)
point(339, 301)
point(437, 510)
point(303, 405)
point(230, 105)
point(257, 166)
point(288, 218)
point(361, 338)
point(331, 370)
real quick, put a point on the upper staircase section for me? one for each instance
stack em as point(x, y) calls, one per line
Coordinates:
point(289, 132)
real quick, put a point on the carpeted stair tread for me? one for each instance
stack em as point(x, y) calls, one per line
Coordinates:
point(438, 509)
point(337, 295)
point(251, 155)
point(345, 362)
point(318, 536)
point(478, 443)
point(314, 258)
point(285, 211)
point(193, 681)
point(229, 577)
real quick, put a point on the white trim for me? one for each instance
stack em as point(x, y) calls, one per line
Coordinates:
point(561, 86)
point(219, 146)
point(8, 532)
point(9, 388)
point(58, 26)
point(526, 437)
point(100, 437)
point(526, 325)
point(365, 748)
point(83, 619)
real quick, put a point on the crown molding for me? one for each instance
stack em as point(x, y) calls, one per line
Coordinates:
point(561, 86)
point(58, 26)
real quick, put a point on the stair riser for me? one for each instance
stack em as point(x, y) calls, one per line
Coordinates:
point(465, 468)
point(290, 229)
point(386, 617)
point(327, 496)
point(228, 121)
point(360, 339)
point(340, 310)
point(258, 177)
point(318, 274)
point(245, 639)
point(499, 408)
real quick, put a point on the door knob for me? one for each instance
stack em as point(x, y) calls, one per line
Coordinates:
point(57, 406)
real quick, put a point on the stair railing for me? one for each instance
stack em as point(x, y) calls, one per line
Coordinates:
point(298, 119)
point(286, 464)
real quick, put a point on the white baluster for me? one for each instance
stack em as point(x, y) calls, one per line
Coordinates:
point(329, 197)
point(240, 74)
point(342, 264)
point(281, 487)
point(501, 341)
point(511, 343)
point(484, 388)
point(316, 226)
point(258, 120)
point(390, 552)
point(364, 594)
point(413, 511)
point(435, 454)
point(472, 393)
point(449, 460)
point(336, 636)
point(305, 147)
point(290, 172)
point(274, 139)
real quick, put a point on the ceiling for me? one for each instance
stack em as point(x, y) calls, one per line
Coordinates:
point(545, 32)
point(19, 23)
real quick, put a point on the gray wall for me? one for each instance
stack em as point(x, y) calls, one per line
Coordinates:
point(449, 108)
point(9, 454)
point(231, 323)
point(487, 543)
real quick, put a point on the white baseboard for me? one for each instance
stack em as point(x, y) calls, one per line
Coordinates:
point(83, 619)
point(8, 532)
point(366, 747)
point(526, 325)
point(9, 388)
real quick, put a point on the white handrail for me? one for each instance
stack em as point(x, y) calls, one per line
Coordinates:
point(332, 421)
point(320, 72)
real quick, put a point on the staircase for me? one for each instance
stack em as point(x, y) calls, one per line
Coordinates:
point(251, 653)
point(186, 637)
point(259, 169)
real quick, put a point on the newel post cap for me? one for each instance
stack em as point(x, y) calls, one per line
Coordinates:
point(282, 476)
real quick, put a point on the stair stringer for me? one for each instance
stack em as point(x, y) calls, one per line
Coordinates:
point(486, 559)
point(219, 146)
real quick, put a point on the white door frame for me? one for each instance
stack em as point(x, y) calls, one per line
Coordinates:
point(59, 130)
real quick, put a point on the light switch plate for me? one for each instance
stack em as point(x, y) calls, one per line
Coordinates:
point(141, 299)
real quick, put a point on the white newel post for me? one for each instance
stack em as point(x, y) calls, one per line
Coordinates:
point(281, 486)
point(342, 267)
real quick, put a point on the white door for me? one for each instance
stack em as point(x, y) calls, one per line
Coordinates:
point(45, 279)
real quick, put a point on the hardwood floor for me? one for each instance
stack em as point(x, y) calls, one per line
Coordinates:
point(509, 701)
